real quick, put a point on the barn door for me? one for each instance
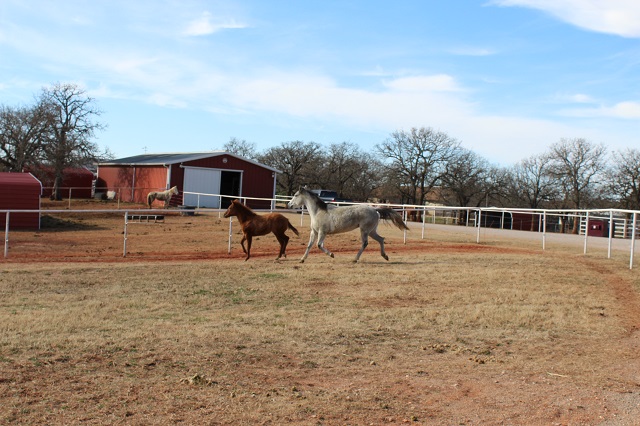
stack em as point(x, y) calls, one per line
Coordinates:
point(229, 186)
point(198, 183)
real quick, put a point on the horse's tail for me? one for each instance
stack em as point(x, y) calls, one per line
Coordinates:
point(150, 197)
point(295, 231)
point(387, 213)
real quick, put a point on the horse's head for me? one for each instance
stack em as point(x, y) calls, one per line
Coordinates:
point(231, 210)
point(174, 190)
point(298, 199)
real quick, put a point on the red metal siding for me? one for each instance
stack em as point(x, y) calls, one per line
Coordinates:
point(132, 183)
point(20, 191)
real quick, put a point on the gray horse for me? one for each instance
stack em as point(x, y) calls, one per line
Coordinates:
point(325, 221)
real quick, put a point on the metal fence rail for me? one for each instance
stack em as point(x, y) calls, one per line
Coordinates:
point(622, 224)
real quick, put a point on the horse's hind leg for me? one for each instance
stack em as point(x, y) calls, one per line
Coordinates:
point(283, 239)
point(364, 236)
point(380, 240)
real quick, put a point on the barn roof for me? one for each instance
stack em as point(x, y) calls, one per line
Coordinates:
point(175, 158)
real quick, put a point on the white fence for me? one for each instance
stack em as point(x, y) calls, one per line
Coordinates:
point(621, 224)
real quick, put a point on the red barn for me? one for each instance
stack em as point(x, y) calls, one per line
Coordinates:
point(201, 177)
point(20, 191)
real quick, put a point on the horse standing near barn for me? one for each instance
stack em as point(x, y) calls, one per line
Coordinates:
point(254, 225)
point(325, 221)
point(162, 196)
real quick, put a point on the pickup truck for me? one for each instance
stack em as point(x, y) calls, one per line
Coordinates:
point(328, 196)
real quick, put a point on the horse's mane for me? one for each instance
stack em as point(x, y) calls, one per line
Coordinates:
point(243, 207)
point(321, 204)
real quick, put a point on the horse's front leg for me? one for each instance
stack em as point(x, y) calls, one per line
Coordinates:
point(242, 240)
point(249, 239)
point(312, 237)
point(321, 236)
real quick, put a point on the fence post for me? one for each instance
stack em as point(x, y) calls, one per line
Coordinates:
point(633, 240)
point(230, 234)
point(6, 236)
point(586, 232)
point(405, 213)
point(70, 197)
point(479, 225)
point(544, 230)
point(611, 231)
point(126, 222)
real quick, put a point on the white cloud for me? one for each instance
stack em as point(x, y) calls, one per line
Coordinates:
point(581, 98)
point(627, 110)
point(578, 98)
point(472, 51)
point(205, 25)
point(630, 110)
point(620, 17)
point(430, 83)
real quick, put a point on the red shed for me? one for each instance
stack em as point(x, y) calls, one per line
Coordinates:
point(201, 177)
point(77, 182)
point(20, 191)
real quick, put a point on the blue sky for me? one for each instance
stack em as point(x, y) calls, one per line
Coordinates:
point(507, 78)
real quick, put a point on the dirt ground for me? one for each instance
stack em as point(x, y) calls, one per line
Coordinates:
point(380, 374)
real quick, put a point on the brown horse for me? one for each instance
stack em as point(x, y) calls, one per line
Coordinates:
point(254, 224)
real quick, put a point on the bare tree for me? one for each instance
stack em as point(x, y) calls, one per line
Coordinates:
point(338, 168)
point(367, 177)
point(242, 148)
point(623, 178)
point(295, 160)
point(22, 134)
point(496, 191)
point(578, 165)
point(531, 184)
point(71, 129)
point(464, 182)
point(347, 170)
point(418, 160)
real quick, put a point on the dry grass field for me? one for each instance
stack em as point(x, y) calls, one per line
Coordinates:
point(180, 332)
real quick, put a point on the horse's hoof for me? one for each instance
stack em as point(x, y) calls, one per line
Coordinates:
point(301, 260)
point(386, 257)
point(332, 256)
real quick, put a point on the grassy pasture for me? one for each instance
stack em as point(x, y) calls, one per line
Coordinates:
point(446, 332)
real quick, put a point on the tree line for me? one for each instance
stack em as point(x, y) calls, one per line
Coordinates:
point(424, 165)
point(415, 166)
